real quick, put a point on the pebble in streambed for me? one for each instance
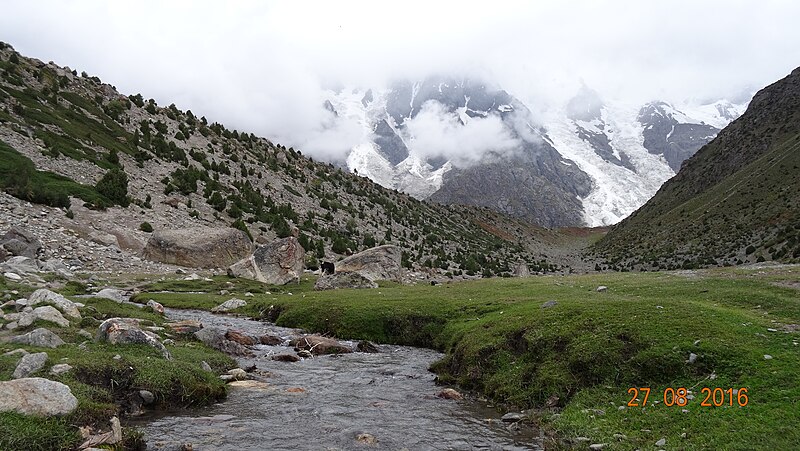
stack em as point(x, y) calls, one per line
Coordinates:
point(360, 400)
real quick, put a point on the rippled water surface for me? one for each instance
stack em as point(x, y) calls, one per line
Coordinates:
point(389, 395)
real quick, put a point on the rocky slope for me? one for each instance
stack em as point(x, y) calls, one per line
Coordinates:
point(112, 168)
point(734, 201)
point(591, 164)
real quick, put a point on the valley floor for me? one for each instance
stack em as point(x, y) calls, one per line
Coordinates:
point(562, 346)
point(572, 350)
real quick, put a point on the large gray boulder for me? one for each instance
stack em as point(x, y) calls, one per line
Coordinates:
point(36, 396)
point(41, 338)
point(277, 263)
point(29, 364)
point(20, 265)
point(45, 296)
point(20, 242)
point(217, 338)
point(343, 280)
point(45, 313)
point(378, 263)
point(198, 247)
point(123, 331)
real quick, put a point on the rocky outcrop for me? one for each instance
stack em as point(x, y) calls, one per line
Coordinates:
point(36, 396)
point(343, 280)
point(45, 296)
point(19, 242)
point(319, 345)
point(122, 331)
point(41, 338)
point(378, 263)
point(277, 263)
point(198, 247)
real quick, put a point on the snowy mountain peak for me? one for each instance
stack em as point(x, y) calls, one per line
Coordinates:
point(466, 141)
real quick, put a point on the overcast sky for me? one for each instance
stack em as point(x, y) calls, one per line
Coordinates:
point(262, 66)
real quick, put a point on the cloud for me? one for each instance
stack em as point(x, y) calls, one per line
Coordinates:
point(435, 132)
point(261, 66)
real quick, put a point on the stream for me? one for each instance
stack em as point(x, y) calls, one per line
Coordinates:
point(389, 395)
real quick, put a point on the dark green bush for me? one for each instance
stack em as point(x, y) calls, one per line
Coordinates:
point(114, 187)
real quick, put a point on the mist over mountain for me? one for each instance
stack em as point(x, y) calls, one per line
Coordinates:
point(466, 141)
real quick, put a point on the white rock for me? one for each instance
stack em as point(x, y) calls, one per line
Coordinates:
point(602, 288)
point(229, 305)
point(661, 442)
point(767, 357)
point(45, 296)
point(36, 396)
point(12, 276)
point(60, 368)
point(44, 313)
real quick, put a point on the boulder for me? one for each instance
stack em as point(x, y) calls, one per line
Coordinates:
point(215, 338)
point(40, 338)
point(114, 294)
point(229, 305)
point(56, 266)
point(522, 270)
point(241, 338)
point(198, 247)
point(128, 240)
point(45, 296)
point(367, 347)
point(270, 340)
point(18, 241)
point(276, 263)
point(44, 313)
point(378, 263)
point(342, 280)
point(60, 369)
point(36, 396)
point(155, 306)
point(122, 331)
point(286, 358)
point(12, 276)
point(29, 364)
point(20, 265)
point(318, 345)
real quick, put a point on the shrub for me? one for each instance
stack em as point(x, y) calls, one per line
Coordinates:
point(146, 227)
point(114, 187)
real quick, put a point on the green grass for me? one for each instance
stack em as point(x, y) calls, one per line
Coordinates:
point(590, 348)
point(102, 383)
point(20, 178)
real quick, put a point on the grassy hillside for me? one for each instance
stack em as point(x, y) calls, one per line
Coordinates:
point(61, 132)
point(734, 201)
point(584, 353)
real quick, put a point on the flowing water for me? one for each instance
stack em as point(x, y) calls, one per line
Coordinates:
point(389, 395)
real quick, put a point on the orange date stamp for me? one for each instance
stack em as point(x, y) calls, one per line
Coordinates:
point(712, 397)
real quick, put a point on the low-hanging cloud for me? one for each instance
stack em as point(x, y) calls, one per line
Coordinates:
point(261, 66)
point(436, 132)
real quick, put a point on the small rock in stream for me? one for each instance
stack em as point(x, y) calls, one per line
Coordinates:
point(366, 346)
point(512, 417)
point(449, 393)
point(366, 439)
point(286, 358)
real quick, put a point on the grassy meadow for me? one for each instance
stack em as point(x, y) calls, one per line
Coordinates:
point(574, 362)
